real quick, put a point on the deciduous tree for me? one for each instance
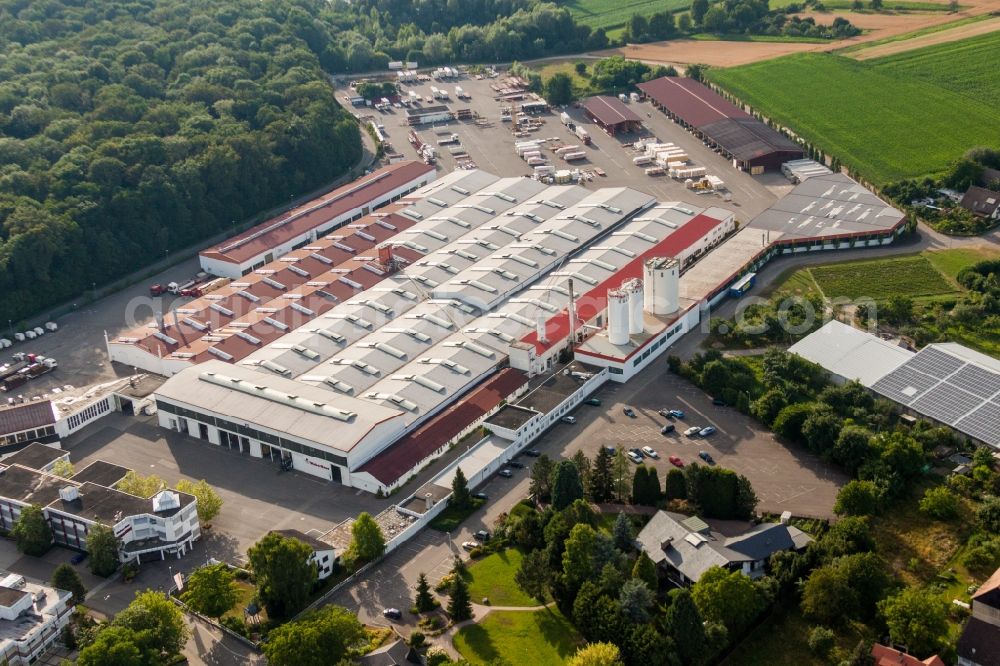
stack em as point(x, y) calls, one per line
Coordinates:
point(917, 618)
point(857, 498)
point(211, 590)
point(102, 547)
point(284, 573)
point(66, 578)
point(367, 541)
point(139, 485)
point(319, 638)
point(31, 531)
point(559, 89)
point(158, 624)
point(597, 654)
point(209, 502)
point(727, 597)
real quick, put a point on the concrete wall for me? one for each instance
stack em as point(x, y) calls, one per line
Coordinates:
point(136, 357)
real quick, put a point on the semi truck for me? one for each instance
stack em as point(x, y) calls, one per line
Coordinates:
point(583, 135)
point(36, 368)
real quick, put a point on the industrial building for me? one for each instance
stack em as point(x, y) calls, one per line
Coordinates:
point(751, 144)
point(944, 382)
point(32, 618)
point(494, 279)
point(611, 114)
point(147, 528)
point(303, 224)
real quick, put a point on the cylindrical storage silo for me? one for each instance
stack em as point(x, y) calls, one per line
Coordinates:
point(635, 322)
point(661, 285)
point(617, 317)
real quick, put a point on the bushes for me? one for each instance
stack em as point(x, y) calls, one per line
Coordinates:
point(939, 503)
point(858, 498)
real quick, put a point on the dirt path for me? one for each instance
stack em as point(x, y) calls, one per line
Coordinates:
point(878, 26)
point(944, 36)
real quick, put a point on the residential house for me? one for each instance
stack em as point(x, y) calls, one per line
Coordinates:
point(979, 644)
point(686, 547)
point(982, 202)
point(323, 553)
point(887, 656)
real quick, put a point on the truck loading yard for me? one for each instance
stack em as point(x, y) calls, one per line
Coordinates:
point(489, 144)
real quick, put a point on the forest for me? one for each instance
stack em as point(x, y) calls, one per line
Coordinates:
point(132, 128)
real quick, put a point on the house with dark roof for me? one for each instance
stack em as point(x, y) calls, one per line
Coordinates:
point(323, 554)
point(685, 547)
point(611, 114)
point(982, 202)
point(979, 644)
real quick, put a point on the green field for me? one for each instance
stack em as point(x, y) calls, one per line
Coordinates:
point(493, 577)
point(967, 67)
point(929, 30)
point(879, 279)
point(539, 638)
point(950, 262)
point(612, 14)
point(886, 125)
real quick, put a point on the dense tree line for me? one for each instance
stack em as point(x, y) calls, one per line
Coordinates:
point(129, 129)
point(371, 33)
point(754, 17)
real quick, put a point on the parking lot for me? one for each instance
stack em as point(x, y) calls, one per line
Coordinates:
point(491, 147)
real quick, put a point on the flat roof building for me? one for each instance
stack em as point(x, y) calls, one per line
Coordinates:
point(750, 143)
point(270, 240)
point(611, 114)
point(32, 617)
point(851, 354)
point(25, 423)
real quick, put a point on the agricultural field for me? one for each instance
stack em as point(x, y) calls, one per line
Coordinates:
point(614, 14)
point(886, 125)
point(966, 67)
point(913, 276)
point(542, 638)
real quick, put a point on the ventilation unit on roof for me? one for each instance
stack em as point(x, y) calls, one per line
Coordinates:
point(482, 242)
point(460, 190)
point(455, 220)
point(506, 197)
point(464, 254)
point(247, 295)
point(339, 385)
point(275, 367)
point(367, 237)
point(349, 282)
point(274, 283)
point(330, 335)
point(277, 324)
point(303, 309)
point(221, 354)
point(434, 319)
point(166, 338)
point(412, 214)
point(415, 246)
point(425, 281)
point(320, 258)
point(437, 202)
point(611, 209)
point(195, 324)
point(435, 235)
point(403, 293)
point(249, 338)
point(551, 204)
point(305, 351)
point(383, 223)
point(298, 271)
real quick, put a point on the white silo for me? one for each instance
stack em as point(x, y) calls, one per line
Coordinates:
point(633, 288)
point(661, 277)
point(617, 317)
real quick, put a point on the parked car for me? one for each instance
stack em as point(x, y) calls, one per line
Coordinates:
point(392, 613)
point(610, 449)
point(505, 473)
point(533, 453)
point(718, 401)
point(568, 419)
point(706, 456)
point(667, 429)
point(629, 412)
point(649, 452)
point(677, 414)
point(706, 431)
point(634, 457)
point(665, 413)
point(469, 545)
point(675, 461)
point(593, 401)
point(79, 557)
point(480, 496)
point(515, 464)
point(692, 431)
point(481, 535)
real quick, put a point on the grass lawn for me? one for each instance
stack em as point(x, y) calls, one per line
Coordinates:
point(868, 113)
point(539, 638)
point(453, 516)
point(783, 640)
point(879, 279)
point(246, 592)
point(794, 282)
point(950, 262)
point(493, 577)
point(581, 85)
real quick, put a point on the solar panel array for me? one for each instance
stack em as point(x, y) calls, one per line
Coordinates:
point(948, 389)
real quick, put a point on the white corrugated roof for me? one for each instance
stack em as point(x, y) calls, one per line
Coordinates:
point(851, 353)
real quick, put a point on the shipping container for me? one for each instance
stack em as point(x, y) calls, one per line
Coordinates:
point(654, 171)
point(570, 157)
